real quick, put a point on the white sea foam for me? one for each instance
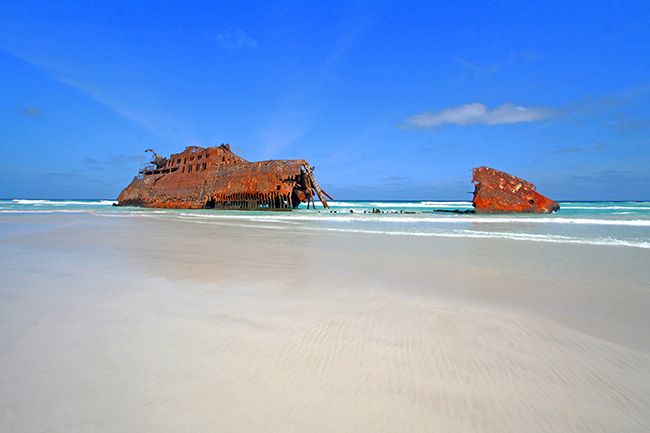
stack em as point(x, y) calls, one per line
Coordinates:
point(64, 202)
point(567, 207)
point(497, 235)
point(41, 211)
point(417, 229)
point(433, 219)
point(380, 204)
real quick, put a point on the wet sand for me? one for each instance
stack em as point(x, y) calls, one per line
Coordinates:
point(145, 324)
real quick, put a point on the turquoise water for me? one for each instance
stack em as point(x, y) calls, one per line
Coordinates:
point(623, 224)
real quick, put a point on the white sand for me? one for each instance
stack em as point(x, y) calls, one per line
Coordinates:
point(126, 324)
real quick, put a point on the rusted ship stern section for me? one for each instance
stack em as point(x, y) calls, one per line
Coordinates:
point(499, 192)
point(216, 178)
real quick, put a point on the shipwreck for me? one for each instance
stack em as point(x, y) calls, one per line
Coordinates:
point(216, 178)
point(499, 192)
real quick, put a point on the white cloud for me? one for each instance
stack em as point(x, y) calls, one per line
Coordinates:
point(479, 71)
point(476, 112)
point(235, 40)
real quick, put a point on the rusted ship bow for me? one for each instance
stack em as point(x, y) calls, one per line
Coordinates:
point(499, 192)
point(216, 178)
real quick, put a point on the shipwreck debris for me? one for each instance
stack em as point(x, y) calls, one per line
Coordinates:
point(499, 192)
point(216, 178)
point(466, 211)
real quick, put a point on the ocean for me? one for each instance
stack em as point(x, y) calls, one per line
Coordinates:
point(624, 224)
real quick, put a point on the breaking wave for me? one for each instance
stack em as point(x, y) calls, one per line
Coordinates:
point(465, 226)
point(429, 219)
point(35, 202)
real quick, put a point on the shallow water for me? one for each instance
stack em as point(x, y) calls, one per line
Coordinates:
point(592, 223)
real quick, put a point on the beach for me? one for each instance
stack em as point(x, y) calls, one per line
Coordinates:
point(118, 320)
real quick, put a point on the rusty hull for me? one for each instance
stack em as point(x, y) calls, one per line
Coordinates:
point(216, 178)
point(499, 192)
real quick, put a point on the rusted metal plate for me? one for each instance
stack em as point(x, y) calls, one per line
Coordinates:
point(216, 178)
point(499, 192)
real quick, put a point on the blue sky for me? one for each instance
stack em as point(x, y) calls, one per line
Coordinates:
point(389, 100)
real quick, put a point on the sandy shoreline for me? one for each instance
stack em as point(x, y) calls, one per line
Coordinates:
point(133, 324)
